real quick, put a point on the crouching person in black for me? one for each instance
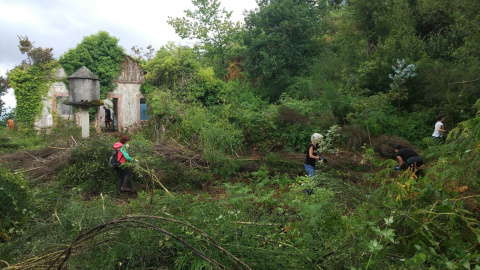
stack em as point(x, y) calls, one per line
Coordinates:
point(407, 158)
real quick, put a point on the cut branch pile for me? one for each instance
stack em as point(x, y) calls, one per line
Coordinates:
point(58, 259)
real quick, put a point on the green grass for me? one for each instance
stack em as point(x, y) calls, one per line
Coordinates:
point(383, 221)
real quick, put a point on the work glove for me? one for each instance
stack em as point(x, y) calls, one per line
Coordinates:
point(397, 168)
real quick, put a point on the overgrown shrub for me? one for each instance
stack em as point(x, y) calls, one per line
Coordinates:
point(355, 137)
point(383, 145)
point(15, 202)
point(89, 168)
point(310, 116)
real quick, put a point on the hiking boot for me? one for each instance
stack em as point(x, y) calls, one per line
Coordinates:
point(126, 189)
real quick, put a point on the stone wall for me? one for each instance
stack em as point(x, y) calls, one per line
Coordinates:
point(125, 98)
point(53, 103)
point(123, 101)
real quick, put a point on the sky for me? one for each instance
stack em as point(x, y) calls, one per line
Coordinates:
point(62, 24)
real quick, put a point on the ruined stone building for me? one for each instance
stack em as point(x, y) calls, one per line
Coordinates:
point(126, 102)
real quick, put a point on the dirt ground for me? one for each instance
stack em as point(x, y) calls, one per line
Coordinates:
point(40, 164)
point(43, 164)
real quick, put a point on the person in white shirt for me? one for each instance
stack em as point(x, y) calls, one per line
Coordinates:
point(439, 129)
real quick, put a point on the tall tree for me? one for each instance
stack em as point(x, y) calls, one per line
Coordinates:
point(281, 39)
point(452, 79)
point(211, 27)
point(36, 55)
point(101, 54)
point(31, 81)
point(173, 68)
point(177, 69)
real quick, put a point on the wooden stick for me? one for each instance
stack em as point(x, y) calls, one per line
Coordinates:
point(36, 158)
point(465, 81)
point(256, 224)
point(17, 172)
point(59, 148)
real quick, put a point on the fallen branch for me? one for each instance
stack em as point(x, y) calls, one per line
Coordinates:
point(464, 81)
point(36, 158)
point(74, 140)
point(256, 224)
point(83, 243)
point(6, 263)
point(24, 171)
point(62, 148)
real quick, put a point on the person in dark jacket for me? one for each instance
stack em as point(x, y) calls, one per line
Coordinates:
point(407, 158)
point(108, 117)
point(123, 173)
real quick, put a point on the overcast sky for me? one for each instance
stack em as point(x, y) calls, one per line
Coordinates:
point(62, 24)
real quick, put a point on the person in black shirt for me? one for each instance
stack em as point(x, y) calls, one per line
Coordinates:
point(108, 117)
point(407, 158)
point(312, 155)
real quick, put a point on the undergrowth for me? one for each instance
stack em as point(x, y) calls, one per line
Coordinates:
point(257, 220)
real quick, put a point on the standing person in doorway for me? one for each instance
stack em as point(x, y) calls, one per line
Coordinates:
point(10, 124)
point(439, 129)
point(407, 158)
point(123, 173)
point(108, 117)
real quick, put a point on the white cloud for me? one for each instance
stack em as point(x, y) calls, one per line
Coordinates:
point(9, 99)
point(18, 14)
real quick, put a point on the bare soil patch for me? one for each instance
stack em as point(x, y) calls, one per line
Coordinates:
point(40, 164)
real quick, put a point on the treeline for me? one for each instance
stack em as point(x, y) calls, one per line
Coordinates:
point(292, 68)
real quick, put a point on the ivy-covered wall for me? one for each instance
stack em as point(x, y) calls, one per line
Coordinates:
point(31, 84)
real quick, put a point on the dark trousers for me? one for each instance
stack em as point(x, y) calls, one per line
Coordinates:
point(438, 140)
point(123, 176)
point(413, 162)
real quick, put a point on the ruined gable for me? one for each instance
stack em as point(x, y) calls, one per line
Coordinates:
point(124, 100)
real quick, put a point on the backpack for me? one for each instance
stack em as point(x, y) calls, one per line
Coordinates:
point(113, 161)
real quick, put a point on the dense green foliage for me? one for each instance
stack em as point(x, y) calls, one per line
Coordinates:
point(101, 54)
point(14, 203)
point(31, 84)
point(212, 28)
point(390, 221)
point(282, 40)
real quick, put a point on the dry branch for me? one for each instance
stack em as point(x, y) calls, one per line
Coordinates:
point(36, 158)
point(62, 148)
point(83, 242)
point(465, 81)
point(24, 171)
point(256, 224)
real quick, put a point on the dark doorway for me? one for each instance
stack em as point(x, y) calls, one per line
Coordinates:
point(143, 110)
